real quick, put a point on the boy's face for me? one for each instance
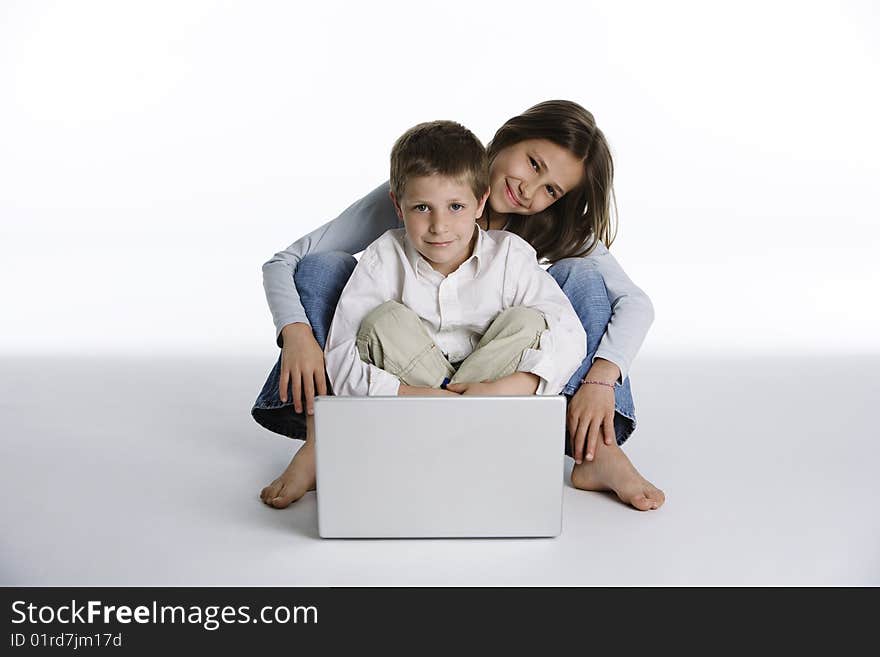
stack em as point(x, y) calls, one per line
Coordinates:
point(440, 216)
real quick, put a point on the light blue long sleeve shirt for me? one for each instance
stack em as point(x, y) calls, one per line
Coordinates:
point(368, 218)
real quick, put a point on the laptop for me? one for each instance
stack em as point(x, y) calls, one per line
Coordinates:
point(431, 467)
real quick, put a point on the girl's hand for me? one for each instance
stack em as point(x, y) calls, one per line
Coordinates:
point(302, 365)
point(591, 411)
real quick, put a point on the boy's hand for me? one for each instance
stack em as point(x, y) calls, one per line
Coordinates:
point(485, 388)
point(591, 412)
point(302, 366)
point(518, 383)
point(423, 391)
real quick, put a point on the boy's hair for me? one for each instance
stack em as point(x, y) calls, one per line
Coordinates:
point(574, 224)
point(444, 148)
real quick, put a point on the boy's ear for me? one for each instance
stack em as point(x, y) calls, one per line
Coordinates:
point(482, 204)
point(396, 206)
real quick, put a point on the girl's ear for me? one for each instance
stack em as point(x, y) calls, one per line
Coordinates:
point(482, 203)
point(396, 206)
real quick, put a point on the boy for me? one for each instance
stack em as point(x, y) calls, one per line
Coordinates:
point(442, 307)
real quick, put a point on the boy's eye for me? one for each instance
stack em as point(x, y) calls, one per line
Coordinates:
point(421, 207)
point(456, 207)
point(533, 163)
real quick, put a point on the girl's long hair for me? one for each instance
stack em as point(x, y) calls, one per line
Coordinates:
point(571, 226)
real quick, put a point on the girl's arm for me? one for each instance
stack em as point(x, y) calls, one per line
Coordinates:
point(358, 225)
point(632, 314)
point(590, 414)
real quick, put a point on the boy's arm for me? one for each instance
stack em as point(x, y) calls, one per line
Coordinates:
point(563, 345)
point(348, 374)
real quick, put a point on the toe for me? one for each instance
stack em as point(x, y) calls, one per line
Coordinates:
point(642, 502)
point(658, 497)
point(285, 496)
point(270, 491)
point(279, 502)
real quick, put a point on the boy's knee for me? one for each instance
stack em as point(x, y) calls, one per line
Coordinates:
point(390, 314)
point(521, 318)
point(327, 265)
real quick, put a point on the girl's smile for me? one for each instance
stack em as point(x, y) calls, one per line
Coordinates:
point(513, 200)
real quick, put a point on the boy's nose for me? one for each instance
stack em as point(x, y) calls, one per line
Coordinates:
point(438, 224)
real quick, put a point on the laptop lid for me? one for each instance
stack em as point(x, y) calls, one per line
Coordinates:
point(439, 467)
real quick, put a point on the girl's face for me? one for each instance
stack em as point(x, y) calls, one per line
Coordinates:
point(530, 176)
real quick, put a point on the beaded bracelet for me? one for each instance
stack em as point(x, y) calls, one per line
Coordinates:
point(599, 383)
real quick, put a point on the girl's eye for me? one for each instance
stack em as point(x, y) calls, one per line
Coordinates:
point(456, 207)
point(533, 163)
point(551, 191)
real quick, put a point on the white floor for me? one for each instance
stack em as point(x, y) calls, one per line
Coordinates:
point(147, 473)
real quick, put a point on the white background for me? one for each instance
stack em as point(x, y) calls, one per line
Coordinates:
point(154, 154)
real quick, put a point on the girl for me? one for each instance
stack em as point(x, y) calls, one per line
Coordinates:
point(550, 175)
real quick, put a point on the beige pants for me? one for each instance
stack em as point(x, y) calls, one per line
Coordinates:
point(393, 338)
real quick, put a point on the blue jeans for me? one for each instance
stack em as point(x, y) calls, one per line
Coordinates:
point(320, 278)
point(585, 288)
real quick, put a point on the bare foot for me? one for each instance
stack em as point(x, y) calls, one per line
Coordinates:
point(612, 470)
point(296, 479)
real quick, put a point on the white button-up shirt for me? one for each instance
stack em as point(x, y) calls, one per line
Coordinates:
point(456, 310)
